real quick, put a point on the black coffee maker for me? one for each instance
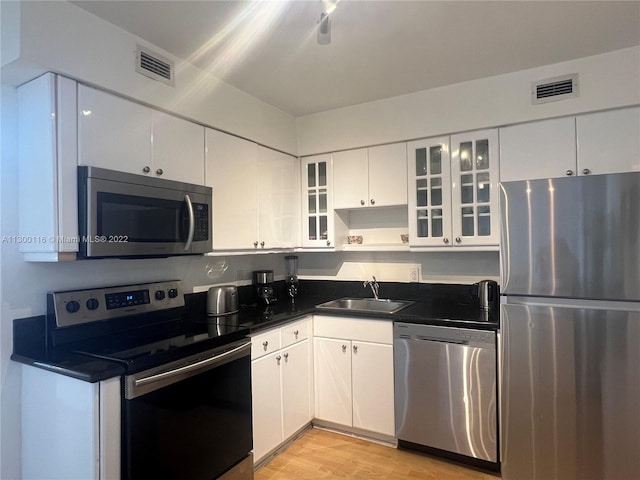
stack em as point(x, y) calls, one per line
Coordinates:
point(263, 283)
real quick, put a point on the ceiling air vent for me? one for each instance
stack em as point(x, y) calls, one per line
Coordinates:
point(554, 89)
point(153, 65)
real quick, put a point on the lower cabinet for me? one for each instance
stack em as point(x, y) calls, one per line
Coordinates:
point(281, 386)
point(353, 373)
point(70, 428)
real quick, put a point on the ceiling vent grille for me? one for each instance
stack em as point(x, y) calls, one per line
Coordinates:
point(554, 89)
point(155, 66)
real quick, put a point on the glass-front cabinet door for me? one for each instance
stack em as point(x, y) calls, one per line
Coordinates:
point(429, 189)
point(474, 194)
point(317, 202)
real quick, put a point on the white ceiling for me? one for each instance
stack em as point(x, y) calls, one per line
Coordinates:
point(378, 49)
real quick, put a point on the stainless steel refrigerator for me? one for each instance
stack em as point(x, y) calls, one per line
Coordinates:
point(570, 324)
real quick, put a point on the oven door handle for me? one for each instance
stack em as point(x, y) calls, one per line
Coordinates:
point(135, 387)
point(192, 223)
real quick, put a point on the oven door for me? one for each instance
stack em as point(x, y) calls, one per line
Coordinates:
point(125, 215)
point(189, 419)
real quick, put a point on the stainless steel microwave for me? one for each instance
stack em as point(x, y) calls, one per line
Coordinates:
point(126, 215)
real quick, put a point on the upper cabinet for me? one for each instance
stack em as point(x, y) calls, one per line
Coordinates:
point(474, 192)
point(590, 144)
point(48, 186)
point(454, 190)
point(370, 177)
point(538, 150)
point(317, 207)
point(117, 134)
point(254, 194)
point(278, 199)
point(608, 142)
point(430, 187)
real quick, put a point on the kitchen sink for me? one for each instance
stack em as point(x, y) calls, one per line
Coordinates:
point(380, 305)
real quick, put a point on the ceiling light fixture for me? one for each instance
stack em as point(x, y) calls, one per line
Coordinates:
point(324, 29)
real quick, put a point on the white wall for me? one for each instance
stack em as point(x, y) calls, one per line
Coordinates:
point(606, 81)
point(434, 267)
point(60, 37)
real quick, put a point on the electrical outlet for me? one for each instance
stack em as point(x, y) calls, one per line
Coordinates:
point(414, 274)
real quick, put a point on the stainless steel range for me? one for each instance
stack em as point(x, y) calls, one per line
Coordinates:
point(186, 387)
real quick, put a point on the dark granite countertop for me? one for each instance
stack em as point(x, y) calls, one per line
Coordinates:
point(434, 304)
point(449, 305)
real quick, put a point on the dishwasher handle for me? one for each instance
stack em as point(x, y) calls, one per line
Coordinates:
point(444, 334)
point(434, 339)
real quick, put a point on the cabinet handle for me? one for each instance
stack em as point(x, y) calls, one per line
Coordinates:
point(286, 357)
point(355, 349)
point(361, 202)
point(373, 202)
point(295, 332)
point(278, 358)
point(261, 244)
point(328, 243)
point(159, 171)
point(265, 344)
point(146, 169)
point(569, 172)
point(586, 171)
point(255, 244)
point(458, 240)
point(344, 348)
point(445, 240)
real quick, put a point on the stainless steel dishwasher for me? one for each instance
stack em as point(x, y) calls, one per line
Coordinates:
point(445, 391)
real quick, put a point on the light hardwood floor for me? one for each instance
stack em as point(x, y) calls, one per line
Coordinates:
point(320, 454)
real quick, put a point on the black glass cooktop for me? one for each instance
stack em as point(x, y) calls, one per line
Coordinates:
point(156, 345)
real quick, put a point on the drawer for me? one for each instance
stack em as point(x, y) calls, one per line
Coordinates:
point(295, 332)
point(265, 343)
point(362, 329)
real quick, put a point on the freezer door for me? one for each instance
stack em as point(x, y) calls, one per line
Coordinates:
point(572, 237)
point(570, 405)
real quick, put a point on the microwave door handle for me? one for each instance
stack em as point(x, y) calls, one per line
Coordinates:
point(192, 226)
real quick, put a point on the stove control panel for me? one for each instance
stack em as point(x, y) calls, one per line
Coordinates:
point(75, 307)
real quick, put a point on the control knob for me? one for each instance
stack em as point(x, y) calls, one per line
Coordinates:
point(72, 306)
point(173, 292)
point(93, 303)
point(160, 295)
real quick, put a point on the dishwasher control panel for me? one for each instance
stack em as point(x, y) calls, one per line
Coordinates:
point(437, 333)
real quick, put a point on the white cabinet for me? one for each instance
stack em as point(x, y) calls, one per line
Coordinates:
point(231, 172)
point(254, 194)
point(75, 433)
point(296, 387)
point(454, 190)
point(278, 199)
point(351, 179)
point(608, 142)
point(353, 373)
point(474, 188)
point(317, 205)
point(430, 186)
point(590, 144)
point(370, 177)
point(371, 369)
point(281, 385)
point(178, 148)
point(47, 176)
point(538, 150)
point(267, 404)
point(118, 134)
point(332, 380)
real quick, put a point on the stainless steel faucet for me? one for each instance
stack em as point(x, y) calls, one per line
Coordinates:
point(375, 288)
